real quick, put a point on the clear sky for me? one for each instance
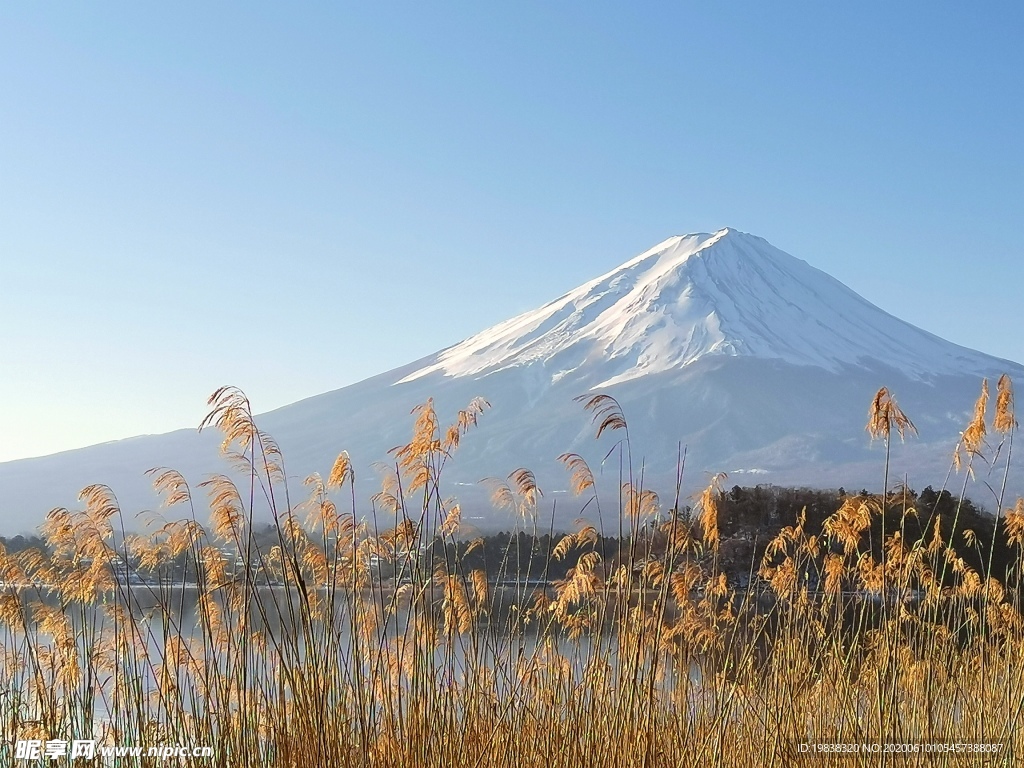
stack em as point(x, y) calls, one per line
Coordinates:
point(293, 197)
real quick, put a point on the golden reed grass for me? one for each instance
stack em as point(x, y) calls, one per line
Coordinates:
point(649, 655)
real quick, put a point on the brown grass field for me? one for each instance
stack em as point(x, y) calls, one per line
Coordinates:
point(653, 657)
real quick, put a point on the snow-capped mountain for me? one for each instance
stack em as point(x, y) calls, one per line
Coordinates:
point(726, 294)
point(761, 365)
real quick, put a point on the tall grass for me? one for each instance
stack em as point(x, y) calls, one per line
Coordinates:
point(648, 655)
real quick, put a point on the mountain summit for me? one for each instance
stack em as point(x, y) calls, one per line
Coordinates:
point(761, 365)
point(692, 296)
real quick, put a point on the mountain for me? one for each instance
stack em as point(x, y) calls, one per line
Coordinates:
point(760, 364)
point(696, 296)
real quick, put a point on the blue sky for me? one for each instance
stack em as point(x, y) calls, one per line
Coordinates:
point(293, 198)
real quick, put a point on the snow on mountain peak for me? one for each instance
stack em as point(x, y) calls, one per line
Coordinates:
point(700, 295)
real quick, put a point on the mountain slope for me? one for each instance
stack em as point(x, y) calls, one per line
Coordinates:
point(728, 294)
point(761, 365)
